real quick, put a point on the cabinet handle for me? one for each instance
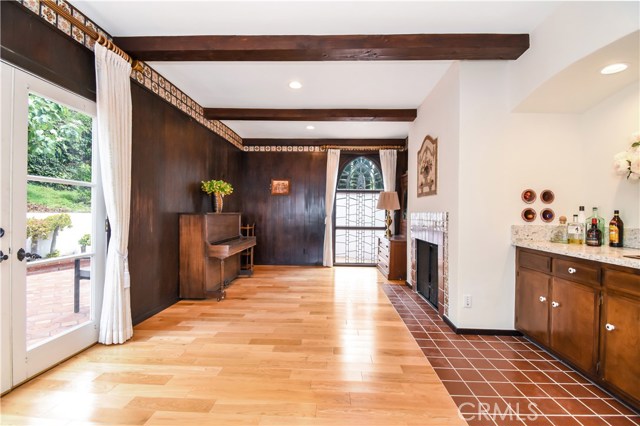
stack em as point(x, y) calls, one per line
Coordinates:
point(555, 304)
point(543, 299)
point(572, 270)
point(610, 327)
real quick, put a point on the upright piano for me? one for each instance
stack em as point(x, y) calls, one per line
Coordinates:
point(210, 247)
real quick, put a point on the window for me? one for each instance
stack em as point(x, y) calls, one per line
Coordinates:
point(357, 221)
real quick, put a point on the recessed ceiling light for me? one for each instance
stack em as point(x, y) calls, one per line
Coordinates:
point(614, 68)
point(310, 127)
point(295, 84)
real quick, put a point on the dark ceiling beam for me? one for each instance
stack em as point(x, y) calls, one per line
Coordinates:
point(390, 47)
point(256, 114)
point(320, 142)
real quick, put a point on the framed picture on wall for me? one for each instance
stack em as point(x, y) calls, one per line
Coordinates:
point(428, 167)
point(280, 186)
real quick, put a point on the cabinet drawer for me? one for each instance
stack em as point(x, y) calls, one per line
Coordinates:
point(384, 269)
point(577, 271)
point(622, 281)
point(383, 243)
point(537, 262)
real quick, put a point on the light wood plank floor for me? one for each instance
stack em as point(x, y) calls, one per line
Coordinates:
point(290, 346)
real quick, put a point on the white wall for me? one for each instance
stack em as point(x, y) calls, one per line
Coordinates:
point(606, 129)
point(499, 154)
point(438, 116)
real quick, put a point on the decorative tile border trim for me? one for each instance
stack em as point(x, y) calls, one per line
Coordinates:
point(283, 148)
point(148, 77)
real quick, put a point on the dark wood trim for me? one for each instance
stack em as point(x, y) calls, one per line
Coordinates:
point(480, 331)
point(32, 44)
point(320, 142)
point(405, 115)
point(387, 47)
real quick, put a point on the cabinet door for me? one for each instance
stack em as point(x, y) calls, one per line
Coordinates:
point(532, 304)
point(574, 322)
point(620, 341)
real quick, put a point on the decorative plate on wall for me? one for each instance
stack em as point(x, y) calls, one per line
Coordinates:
point(428, 167)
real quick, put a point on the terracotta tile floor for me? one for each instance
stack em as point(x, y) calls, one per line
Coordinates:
point(487, 375)
point(50, 303)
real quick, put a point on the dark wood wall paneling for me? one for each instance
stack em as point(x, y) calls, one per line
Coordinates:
point(171, 154)
point(290, 228)
point(33, 45)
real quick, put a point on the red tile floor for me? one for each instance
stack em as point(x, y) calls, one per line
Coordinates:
point(504, 380)
point(50, 302)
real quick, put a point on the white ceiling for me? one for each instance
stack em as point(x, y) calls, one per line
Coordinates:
point(370, 84)
point(581, 85)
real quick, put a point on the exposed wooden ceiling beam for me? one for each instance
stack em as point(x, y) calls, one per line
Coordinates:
point(255, 114)
point(390, 47)
point(320, 142)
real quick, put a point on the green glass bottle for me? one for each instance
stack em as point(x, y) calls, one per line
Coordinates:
point(601, 225)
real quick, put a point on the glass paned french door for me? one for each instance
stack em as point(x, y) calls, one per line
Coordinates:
point(358, 223)
point(54, 216)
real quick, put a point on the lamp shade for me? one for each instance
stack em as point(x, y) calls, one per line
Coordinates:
point(388, 201)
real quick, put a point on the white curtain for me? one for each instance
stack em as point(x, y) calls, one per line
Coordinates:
point(113, 90)
point(333, 158)
point(388, 158)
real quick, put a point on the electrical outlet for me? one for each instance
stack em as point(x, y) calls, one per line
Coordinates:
point(466, 300)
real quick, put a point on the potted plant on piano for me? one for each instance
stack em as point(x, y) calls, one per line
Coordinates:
point(217, 189)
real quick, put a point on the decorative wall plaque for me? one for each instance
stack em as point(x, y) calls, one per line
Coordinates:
point(428, 167)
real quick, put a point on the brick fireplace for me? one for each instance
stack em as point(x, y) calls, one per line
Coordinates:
point(433, 228)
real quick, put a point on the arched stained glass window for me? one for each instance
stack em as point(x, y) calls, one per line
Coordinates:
point(361, 174)
point(357, 220)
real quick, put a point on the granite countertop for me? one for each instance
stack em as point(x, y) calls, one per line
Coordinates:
point(604, 254)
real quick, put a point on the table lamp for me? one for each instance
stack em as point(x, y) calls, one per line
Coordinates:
point(388, 201)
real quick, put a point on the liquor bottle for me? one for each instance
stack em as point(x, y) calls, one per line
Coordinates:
point(594, 237)
point(575, 231)
point(594, 215)
point(560, 233)
point(581, 215)
point(616, 230)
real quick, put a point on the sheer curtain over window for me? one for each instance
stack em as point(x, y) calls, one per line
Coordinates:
point(333, 158)
point(388, 158)
point(114, 144)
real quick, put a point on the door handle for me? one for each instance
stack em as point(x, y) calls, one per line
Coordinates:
point(610, 327)
point(572, 270)
point(555, 304)
point(21, 255)
point(3, 256)
point(542, 299)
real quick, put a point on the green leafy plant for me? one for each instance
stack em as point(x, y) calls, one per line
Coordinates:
point(219, 187)
point(54, 253)
point(56, 223)
point(37, 229)
point(85, 240)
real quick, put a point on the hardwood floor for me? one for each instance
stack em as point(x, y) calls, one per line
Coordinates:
point(289, 346)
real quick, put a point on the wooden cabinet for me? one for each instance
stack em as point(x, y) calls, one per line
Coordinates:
point(392, 257)
point(620, 331)
point(585, 312)
point(532, 304)
point(573, 327)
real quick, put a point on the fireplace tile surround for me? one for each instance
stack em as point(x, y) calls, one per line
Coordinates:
point(432, 227)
